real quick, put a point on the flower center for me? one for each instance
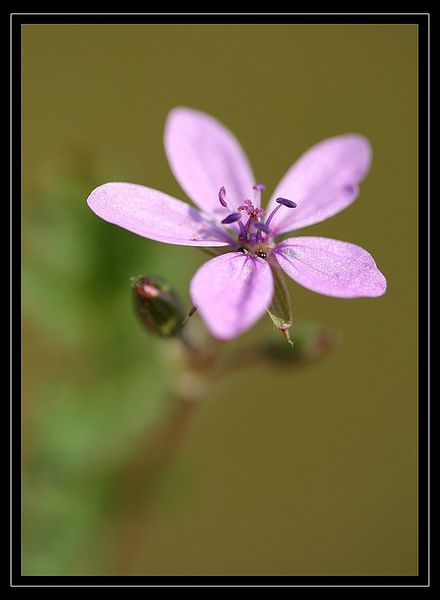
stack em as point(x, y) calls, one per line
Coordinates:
point(255, 234)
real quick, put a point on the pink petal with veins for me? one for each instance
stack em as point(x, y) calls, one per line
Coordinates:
point(331, 267)
point(322, 182)
point(205, 157)
point(232, 292)
point(154, 215)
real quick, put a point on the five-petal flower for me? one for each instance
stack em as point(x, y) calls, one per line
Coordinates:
point(233, 290)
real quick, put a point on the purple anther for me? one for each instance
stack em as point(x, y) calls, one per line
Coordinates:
point(232, 218)
point(221, 197)
point(260, 187)
point(263, 227)
point(285, 202)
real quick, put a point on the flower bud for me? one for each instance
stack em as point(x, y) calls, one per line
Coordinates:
point(158, 306)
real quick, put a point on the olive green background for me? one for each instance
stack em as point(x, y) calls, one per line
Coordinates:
point(310, 471)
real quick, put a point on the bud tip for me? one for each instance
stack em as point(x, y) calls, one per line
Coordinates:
point(285, 332)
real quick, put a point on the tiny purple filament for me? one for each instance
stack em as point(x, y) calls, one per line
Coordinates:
point(243, 232)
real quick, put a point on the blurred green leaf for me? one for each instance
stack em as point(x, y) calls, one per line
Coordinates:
point(97, 384)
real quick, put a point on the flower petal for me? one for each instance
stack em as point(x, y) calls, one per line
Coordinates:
point(204, 157)
point(232, 291)
point(331, 267)
point(322, 182)
point(154, 215)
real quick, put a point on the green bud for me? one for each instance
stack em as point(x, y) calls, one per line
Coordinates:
point(158, 306)
point(280, 311)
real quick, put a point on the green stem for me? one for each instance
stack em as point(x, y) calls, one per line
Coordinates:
point(135, 486)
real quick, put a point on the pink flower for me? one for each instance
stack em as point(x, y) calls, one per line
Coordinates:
point(234, 289)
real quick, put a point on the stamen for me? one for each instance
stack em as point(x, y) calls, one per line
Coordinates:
point(285, 202)
point(221, 197)
point(281, 202)
point(232, 218)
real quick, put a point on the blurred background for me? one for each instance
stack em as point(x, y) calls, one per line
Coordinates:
point(282, 470)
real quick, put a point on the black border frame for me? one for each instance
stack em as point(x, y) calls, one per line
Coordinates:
point(420, 580)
